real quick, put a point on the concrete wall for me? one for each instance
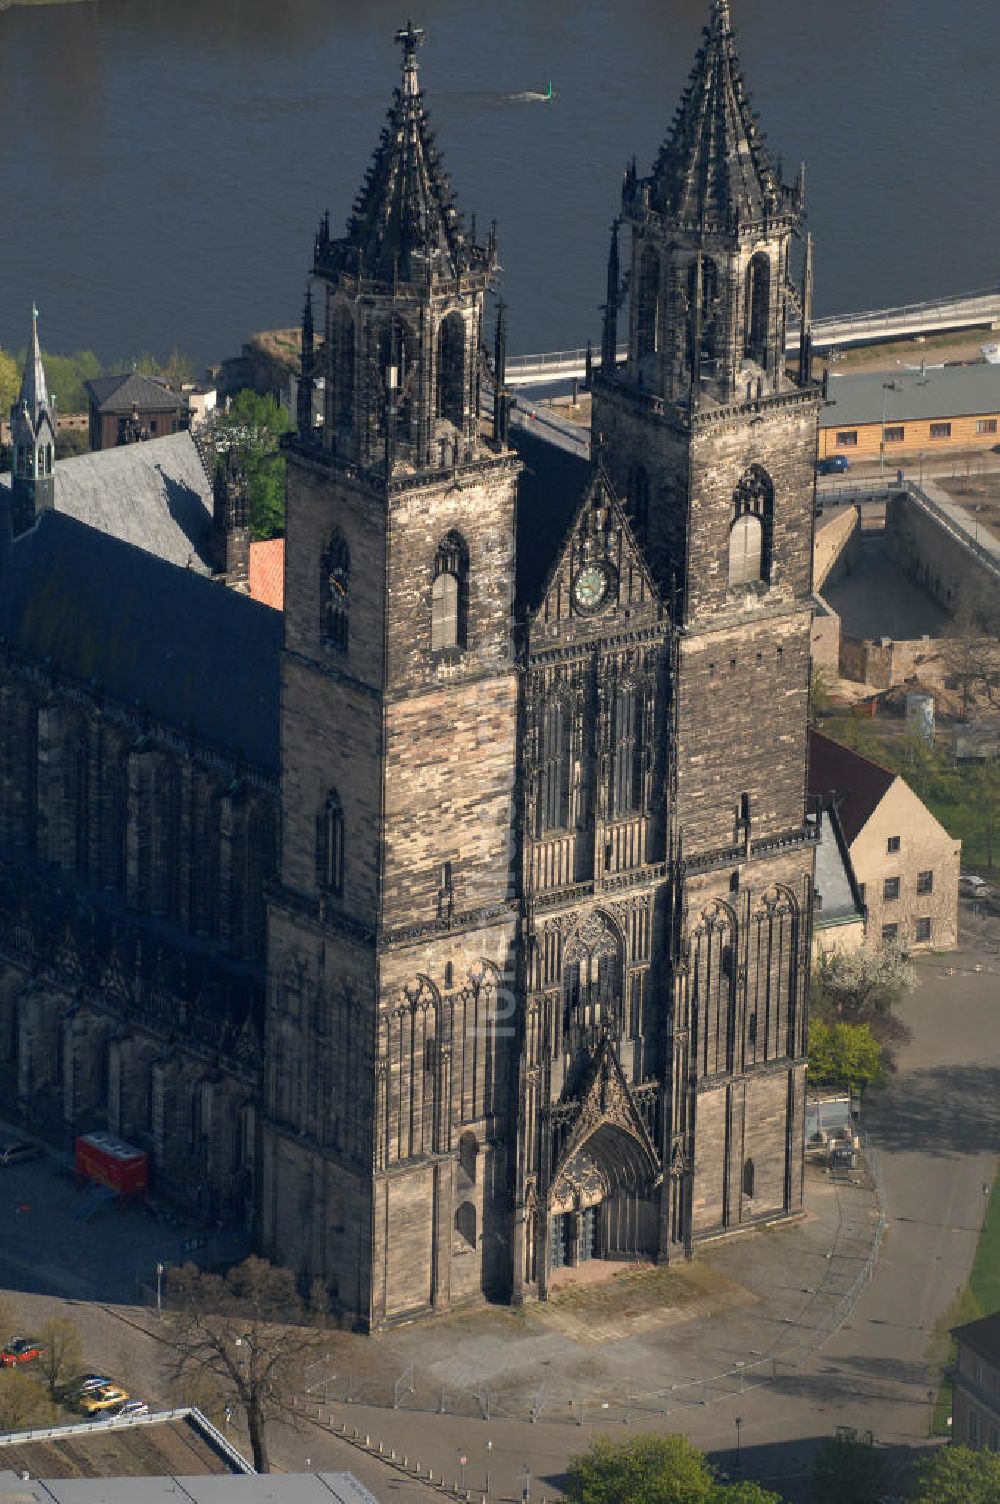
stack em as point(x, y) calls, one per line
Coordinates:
point(837, 547)
point(936, 555)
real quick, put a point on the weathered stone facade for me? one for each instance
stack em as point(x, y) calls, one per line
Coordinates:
point(538, 914)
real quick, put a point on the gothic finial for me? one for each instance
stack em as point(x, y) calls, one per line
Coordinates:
point(720, 16)
point(410, 38)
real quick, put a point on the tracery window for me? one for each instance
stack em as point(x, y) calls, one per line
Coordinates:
point(451, 370)
point(336, 582)
point(750, 535)
point(449, 593)
point(629, 750)
point(341, 369)
point(330, 846)
point(556, 746)
point(648, 304)
point(758, 307)
point(709, 297)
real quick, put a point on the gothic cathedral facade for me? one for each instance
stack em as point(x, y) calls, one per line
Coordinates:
point(538, 940)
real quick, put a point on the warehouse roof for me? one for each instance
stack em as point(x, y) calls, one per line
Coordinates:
point(939, 392)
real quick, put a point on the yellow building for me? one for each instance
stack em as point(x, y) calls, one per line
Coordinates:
point(911, 412)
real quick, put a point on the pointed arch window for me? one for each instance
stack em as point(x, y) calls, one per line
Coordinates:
point(647, 320)
point(706, 311)
point(449, 593)
point(335, 587)
point(330, 846)
point(758, 307)
point(340, 369)
point(451, 370)
point(629, 751)
point(750, 536)
point(556, 754)
point(397, 359)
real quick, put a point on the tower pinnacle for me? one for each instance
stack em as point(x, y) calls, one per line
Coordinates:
point(33, 439)
point(34, 390)
point(411, 39)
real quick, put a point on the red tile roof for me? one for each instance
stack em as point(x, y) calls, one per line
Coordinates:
point(267, 572)
point(859, 784)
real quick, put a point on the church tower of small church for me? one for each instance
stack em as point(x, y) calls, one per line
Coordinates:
point(33, 441)
point(391, 932)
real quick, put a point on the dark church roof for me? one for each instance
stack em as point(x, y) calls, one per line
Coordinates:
point(119, 394)
point(713, 166)
point(155, 495)
point(551, 488)
point(857, 784)
point(193, 654)
point(404, 219)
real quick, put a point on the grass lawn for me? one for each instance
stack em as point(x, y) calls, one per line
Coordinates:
point(980, 1296)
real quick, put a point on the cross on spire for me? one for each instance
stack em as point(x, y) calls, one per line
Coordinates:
point(720, 15)
point(410, 38)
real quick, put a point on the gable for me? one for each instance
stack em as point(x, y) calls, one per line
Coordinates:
point(901, 812)
point(599, 573)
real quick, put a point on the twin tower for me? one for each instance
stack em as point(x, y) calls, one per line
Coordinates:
point(538, 951)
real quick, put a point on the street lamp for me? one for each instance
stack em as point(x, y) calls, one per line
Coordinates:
point(489, 1450)
point(526, 1486)
point(159, 1289)
point(739, 1422)
point(462, 1460)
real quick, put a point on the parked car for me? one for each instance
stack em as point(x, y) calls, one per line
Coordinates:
point(108, 1397)
point(21, 1350)
point(17, 1152)
point(834, 464)
point(86, 1383)
point(972, 886)
point(133, 1407)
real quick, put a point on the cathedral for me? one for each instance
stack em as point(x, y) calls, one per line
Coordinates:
point(451, 930)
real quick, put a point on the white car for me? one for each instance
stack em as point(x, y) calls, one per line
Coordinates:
point(972, 886)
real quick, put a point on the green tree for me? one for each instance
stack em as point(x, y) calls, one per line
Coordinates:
point(653, 1470)
point(847, 1471)
point(66, 375)
point(10, 384)
point(843, 1055)
point(62, 1354)
point(957, 1475)
point(253, 426)
point(235, 1334)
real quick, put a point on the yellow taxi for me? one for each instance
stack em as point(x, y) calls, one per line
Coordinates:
point(105, 1398)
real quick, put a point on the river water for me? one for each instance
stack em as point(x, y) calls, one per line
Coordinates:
point(164, 162)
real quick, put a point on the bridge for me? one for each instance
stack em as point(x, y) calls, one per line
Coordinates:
point(977, 310)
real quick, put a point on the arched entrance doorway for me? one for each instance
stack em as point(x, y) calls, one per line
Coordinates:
point(603, 1201)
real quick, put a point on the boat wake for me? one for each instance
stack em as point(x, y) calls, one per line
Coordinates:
point(532, 96)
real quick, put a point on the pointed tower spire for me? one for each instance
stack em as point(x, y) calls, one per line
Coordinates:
point(33, 440)
point(713, 168)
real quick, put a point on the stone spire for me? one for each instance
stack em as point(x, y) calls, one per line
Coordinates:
point(405, 225)
point(34, 394)
point(713, 168)
point(33, 440)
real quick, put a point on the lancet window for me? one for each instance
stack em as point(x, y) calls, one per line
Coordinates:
point(449, 593)
point(335, 585)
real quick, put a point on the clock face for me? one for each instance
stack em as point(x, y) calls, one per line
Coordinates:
point(591, 587)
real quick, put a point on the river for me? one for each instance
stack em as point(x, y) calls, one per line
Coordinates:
point(164, 162)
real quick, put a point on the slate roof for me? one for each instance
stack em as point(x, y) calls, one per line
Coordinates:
point(833, 878)
point(212, 1488)
point(551, 488)
point(858, 784)
point(713, 167)
point(155, 496)
point(983, 1336)
point(194, 654)
point(947, 392)
point(119, 394)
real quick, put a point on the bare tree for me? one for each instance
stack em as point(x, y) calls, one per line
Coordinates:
point(972, 651)
point(242, 1332)
point(62, 1354)
point(22, 1401)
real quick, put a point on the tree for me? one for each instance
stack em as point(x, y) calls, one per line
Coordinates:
point(843, 1055)
point(972, 650)
point(22, 1401)
point(253, 426)
point(237, 1331)
point(10, 384)
point(653, 1470)
point(62, 1354)
point(848, 1471)
point(957, 1475)
point(858, 984)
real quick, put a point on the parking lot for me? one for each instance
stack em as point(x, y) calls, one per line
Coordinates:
point(47, 1249)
